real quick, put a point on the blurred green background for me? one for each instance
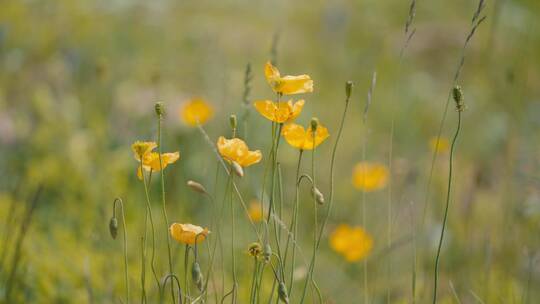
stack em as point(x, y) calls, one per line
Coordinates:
point(79, 79)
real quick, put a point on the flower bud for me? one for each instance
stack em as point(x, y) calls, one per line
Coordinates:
point(160, 109)
point(233, 121)
point(282, 292)
point(314, 123)
point(267, 253)
point(316, 193)
point(196, 275)
point(348, 89)
point(113, 227)
point(237, 169)
point(457, 94)
point(196, 187)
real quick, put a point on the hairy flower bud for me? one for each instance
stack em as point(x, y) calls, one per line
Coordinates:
point(282, 292)
point(113, 227)
point(237, 169)
point(233, 121)
point(457, 94)
point(348, 89)
point(267, 253)
point(317, 194)
point(196, 275)
point(255, 249)
point(196, 187)
point(160, 108)
point(314, 123)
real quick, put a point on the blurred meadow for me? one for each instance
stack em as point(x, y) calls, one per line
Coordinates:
point(79, 83)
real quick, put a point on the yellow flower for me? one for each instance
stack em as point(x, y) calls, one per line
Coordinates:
point(354, 243)
point(287, 85)
point(255, 211)
point(188, 233)
point(442, 147)
point(301, 139)
point(196, 111)
point(236, 150)
point(370, 176)
point(279, 112)
point(141, 148)
point(150, 160)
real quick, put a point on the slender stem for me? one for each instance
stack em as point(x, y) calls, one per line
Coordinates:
point(164, 209)
point(437, 258)
point(235, 279)
point(186, 279)
point(364, 220)
point(126, 276)
point(149, 215)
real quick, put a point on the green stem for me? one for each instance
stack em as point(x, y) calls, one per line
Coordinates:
point(149, 215)
point(165, 217)
point(126, 275)
point(437, 258)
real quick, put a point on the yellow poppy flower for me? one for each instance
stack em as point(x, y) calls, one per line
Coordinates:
point(150, 162)
point(188, 233)
point(370, 176)
point(287, 85)
point(196, 111)
point(301, 139)
point(255, 211)
point(279, 112)
point(442, 147)
point(141, 148)
point(236, 150)
point(354, 243)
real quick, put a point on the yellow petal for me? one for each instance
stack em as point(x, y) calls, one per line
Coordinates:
point(252, 157)
point(266, 108)
point(255, 211)
point(289, 85)
point(196, 111)
point(320, 135)
point(295, 135)
point(296, 109)
point(188, 233)
point(140, 148)
point(152, 160)
point(271, 73)
point(338, 238)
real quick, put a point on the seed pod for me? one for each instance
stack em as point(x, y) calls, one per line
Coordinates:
point(267, 253)
point(314, 123)
point(319, 197)
point(233, 121)
point(196, 275)
point(113, 227)
point(196, 187)
point(348, 89)
point(237, 169)
point(160, 109)
point(282, 292)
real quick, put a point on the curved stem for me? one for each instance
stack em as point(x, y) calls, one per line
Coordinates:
point(126, 276)
point(149, 215)
point(437, 258)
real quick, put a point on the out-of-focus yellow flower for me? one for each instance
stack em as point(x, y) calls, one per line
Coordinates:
point(287, 85)
point(196, 111)
point(188, 233)
point(141, 148)
point(354, 243)
point(301, 139)
point(255, 211)
point(236, 150)
point(442, 147)
point(279, 112)
point(370, 176)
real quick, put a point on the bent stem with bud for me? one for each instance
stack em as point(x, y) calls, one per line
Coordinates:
point(113, 226)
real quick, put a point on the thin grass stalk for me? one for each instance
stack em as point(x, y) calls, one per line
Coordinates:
point(449, 188)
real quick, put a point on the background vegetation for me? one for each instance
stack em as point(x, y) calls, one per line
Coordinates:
point(78, 83)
